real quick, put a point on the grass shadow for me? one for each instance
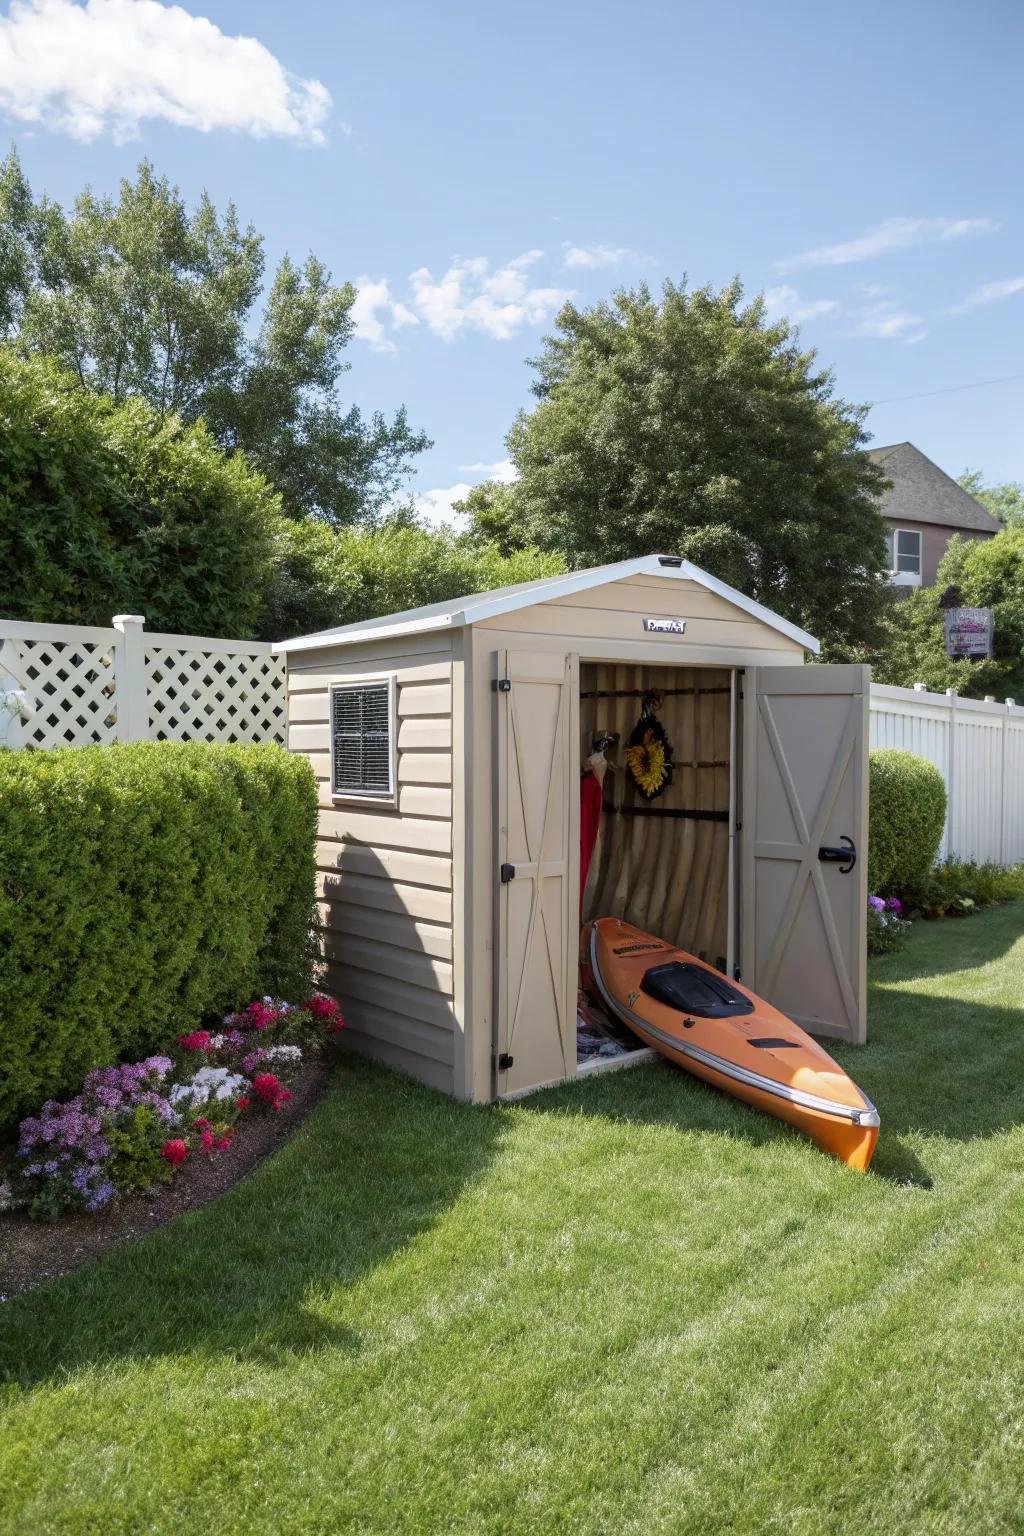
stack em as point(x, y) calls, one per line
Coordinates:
point(248, 1275)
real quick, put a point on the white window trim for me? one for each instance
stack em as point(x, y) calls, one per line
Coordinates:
point(906, 578)
point(368, 797)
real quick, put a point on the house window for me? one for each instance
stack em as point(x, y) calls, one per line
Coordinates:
point(904, 550)
point(363, 739)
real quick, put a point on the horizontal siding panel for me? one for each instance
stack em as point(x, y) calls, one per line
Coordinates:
point(424, 800)
point(422, 734)
point(386, 830)
point(431, 939)
point(423, 768)
point(406, 1034)
point(384, 864)
point(412, 1002)
point(735, 629)
point(434, 1073)
point(384, 895)
point(303, 680)
point(682, 598)
point(308, 708)
point(389, 961)
point(308, 738)
point(425, 699)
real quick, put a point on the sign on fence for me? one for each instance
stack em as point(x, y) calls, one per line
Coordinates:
point(969, 631)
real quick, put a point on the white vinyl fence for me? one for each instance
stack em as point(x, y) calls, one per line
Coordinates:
point(979, 750)
point(72, 685)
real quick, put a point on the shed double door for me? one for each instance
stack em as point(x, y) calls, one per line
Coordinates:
point(803, 911)
point(537, 869)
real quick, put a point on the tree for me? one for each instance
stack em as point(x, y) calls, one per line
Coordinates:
point(325, 577)
point(107, 507)
point(139, 297)
point(1006, 501)
point(691, 426)
point(988, 573)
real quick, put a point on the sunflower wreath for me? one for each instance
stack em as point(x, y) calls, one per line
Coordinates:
point(649, 752)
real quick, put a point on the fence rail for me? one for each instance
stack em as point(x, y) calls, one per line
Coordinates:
point(978, 747)
point(71, 685)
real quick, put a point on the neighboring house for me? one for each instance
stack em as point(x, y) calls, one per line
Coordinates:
point(923, 509)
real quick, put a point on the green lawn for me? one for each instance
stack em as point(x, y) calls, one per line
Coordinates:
point(624, 1306)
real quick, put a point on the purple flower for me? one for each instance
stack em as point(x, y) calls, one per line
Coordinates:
point(877, 903)
point(895, 905)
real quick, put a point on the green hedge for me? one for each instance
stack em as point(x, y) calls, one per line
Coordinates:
point(907, 815)
point(141, 887)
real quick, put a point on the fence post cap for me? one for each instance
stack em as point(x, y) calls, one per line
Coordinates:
point(920, 687)
point(951, 693)
point(990, 698)
point(1010, 703)
point(121, 619)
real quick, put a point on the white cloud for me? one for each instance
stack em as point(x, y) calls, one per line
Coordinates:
point(890, 235)
point(988, 293)
point(787, 301)
point(374, 300)
point(109, 65)
point(504, 471)
point(469, 296)
point(887, 322)
point(591, 257)
point(436, 507)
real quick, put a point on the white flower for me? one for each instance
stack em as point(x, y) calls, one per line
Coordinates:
point(290, 1053)
point(6, 1200)
point(208, 1083)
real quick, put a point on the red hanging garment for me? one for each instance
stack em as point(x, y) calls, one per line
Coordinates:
point(591, 798)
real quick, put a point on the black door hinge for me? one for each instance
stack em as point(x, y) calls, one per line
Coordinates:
point(508, 872)
point(501, 685)
point(504, 1061)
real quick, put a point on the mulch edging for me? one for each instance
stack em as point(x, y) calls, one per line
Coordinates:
point(32, 1252)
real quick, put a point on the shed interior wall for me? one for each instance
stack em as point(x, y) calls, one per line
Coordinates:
point(665, 873)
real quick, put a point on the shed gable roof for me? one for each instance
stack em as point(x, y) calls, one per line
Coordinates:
point(921, 492)
point(477, 606)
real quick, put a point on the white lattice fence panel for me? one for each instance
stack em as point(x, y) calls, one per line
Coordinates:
point(215, 695)
point(73, 683)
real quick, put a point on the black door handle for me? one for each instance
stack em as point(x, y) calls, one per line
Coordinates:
point(846, 857)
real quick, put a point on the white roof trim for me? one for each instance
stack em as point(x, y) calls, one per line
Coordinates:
point(490, 605)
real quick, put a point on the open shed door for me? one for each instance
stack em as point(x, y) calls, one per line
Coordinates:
point(538, 817)
point(805, 825)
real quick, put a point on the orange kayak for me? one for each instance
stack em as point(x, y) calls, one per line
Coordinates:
point(730, 1037)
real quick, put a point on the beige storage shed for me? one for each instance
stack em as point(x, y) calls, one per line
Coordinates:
point(448, 744)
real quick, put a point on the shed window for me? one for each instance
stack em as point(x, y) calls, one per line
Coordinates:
point(362, 739)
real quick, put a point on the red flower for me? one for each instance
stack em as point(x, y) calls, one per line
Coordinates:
point(338, 1024)
point(242, 1102)
point(321, 1006)
point(198, 1040)
point(204, 1125)
point(260, 1015)
point(268, 1088)
point(207, 1140)
point(224, 1143)
point(175, 1151)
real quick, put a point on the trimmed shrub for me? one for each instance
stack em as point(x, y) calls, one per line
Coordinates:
point(142, 887)
point(907, 815)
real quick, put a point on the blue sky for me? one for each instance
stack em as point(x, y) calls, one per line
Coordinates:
point(472, 163)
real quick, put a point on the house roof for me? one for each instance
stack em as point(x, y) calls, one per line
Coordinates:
point(476, 606)
point(921, 492)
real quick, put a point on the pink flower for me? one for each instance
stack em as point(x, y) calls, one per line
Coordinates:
point(268, 1088)
point(207, 1140)
point(242, 1102)
point(224, 1143)
point(260, 1015)
point(338, 1024)
point(175, 1151)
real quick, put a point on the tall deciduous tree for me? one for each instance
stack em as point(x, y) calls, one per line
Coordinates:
point(138, 296)
point(1004, 501)
point(689, 425)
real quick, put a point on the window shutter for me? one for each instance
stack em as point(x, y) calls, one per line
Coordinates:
point(361, 739)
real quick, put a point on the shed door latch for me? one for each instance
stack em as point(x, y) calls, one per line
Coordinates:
point(504, 1061)
point(508, 872)
point(845, 857)
point(502, 685)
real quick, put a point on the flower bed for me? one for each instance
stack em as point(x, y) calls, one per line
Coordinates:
point(887, 927)
point(134, 1125)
